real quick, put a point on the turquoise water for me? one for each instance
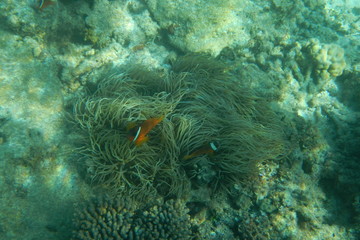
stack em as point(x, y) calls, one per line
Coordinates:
point(300, 57)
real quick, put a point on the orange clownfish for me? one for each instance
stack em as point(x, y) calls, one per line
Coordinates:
point(44, 3)
point(138, 134)
point(209, 149)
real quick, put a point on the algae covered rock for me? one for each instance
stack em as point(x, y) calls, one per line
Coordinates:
point(328, 59)
point(200, 26)
point(211, 132)
point(115, 21)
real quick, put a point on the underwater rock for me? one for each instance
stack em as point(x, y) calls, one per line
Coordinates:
point(114, 21)
point(213, 133)
point(199, 26)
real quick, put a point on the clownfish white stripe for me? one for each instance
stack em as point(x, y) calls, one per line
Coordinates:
point(213, 147)
point(137, 134)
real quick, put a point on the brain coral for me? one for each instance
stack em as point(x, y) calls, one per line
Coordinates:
point(201, 103)
point(114, 219)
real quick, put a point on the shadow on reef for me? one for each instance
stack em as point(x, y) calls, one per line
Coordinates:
point(148, 134)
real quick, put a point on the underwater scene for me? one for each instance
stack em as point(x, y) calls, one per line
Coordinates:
point(179, 119)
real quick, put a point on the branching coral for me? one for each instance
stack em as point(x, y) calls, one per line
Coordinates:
point(201, 103)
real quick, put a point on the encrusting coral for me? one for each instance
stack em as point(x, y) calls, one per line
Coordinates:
point(327, 60)
point(202, 104)
point(115, 219)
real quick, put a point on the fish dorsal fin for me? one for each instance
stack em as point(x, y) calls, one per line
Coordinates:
point(130, 126)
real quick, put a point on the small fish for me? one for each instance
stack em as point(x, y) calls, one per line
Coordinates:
point(208, 149)
point(138, 134)
point(44, 3)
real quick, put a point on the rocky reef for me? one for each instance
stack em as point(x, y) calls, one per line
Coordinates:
point(292, 66)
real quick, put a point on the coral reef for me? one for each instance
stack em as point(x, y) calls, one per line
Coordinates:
point(201, 103)
point(116, 219)
point(311, 81)
point(292, 53)
point(252, 228)
point(327, 60)
point(118, 23)
point(36, 179)
point(200, 26)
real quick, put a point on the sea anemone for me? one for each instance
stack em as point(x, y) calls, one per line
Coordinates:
point(202, 102)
